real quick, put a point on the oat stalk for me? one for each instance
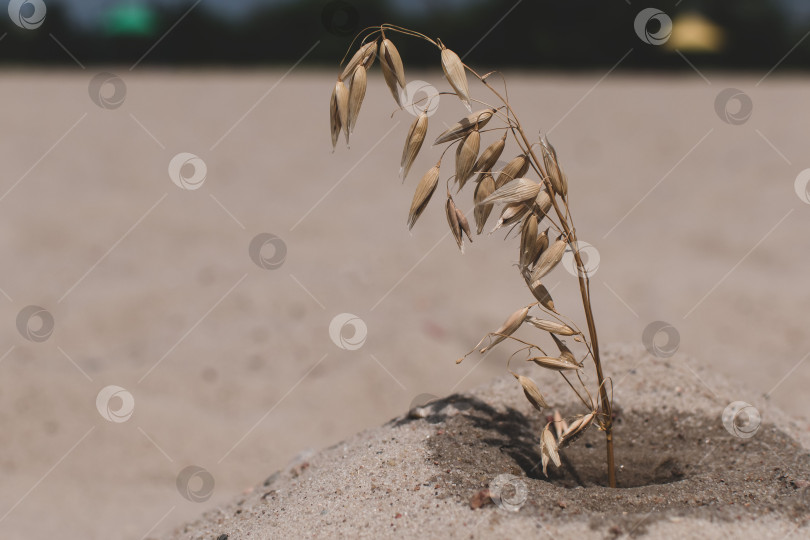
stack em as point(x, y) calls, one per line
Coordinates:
point(525, 202)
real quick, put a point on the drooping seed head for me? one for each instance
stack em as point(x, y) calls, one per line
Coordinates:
point(393, 72)
point(528, 240)
point(363, 57)
point(476, 120)
point(339, 111)
point(541, 293)
point(508, 327)
point(452, 220)
point(548, 449)
point(540, 246)
point(514, 169)
point(466, 153)
point(557, 178)
point(560, 425)
point(577, 427)
point(565, 352)
point(512, 213)
point(532, 392)
point(490, 155)
point(554, 364)
point(357, 91)
point(454, 72)
point(413, 142)
point(551, 327)
point(517, 191)
point(549, 259)
point(424, 191)
point(484, 189)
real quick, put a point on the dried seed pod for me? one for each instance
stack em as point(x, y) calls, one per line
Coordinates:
point(508, 328)
point(454, 71)
point(528, 240)
point(476, 120)
point(514, 169)
point(452, 220)
point(393, 72)
point(424, 191)
point(511, 214)
point(466, 153)
point(490, 155)
point(541, 293)
point(565, 352)
point(416, 136)
point(542, 203)
point(363, 57)
point(357, 91)
point(553, 169)
point(484, 189)
point(560, 425)
point(548, 449)
point(555, 364)
point(551, 326)
point(549, 259)
point(517, 191)
point(464, 224)
point(540, 245)
point(532, 392)
point(339, 111)
point(577, 427)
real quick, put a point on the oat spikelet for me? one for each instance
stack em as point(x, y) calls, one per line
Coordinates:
point(514, 169)
point(540, 245)
point(565, 352)
point(453, 221)
point(549, 259)
point(528, 240)
point(393, 71)
point(465, 157)
point(554, 364)
point(560, 425)
point(476, 120)
point(490, 155)
point(548, 449)
point(357, 91)
point(542, 203)
point(424, 191)
point(532, 392)
point(551, 326)
point(465, 225)
point(416, 136)
point(454, 71)
point(555, 174)
point(517, 191)
point(508, 328)
point(339, 111)
point(363, 57)
point(541, 294)
point(484, 189)
point(577, 427)
point(511, 214)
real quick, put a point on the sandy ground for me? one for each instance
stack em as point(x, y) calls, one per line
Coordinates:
point(468, 467)
point(231, 367)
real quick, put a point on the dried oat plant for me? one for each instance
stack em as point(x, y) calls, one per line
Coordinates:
point(525, 204)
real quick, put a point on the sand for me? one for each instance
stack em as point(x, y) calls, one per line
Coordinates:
point(680, 472)
point(231, 366)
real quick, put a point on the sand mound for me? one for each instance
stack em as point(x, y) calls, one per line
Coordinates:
point(682, 471)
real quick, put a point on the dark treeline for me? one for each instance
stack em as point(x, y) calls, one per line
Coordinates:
point(567, 34)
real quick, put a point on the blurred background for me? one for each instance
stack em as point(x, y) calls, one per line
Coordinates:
point(196, 290)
